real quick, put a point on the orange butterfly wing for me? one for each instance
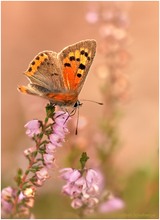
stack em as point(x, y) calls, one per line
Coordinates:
point(76, 61)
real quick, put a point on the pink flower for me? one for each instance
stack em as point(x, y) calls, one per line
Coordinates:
point(113, 204)
point(42, 174)
point(91, 202)
point(29, 192)
point(93, 190)
point(50, 148)
point(38, 182)
point(92, 177)
point(92, 17)
point(32, 128)
point(66, 189)
point(6, 208)
point(60, 130)
point(30, 150)
point(81, 187)
point(76, 203)
point(48, 160)
point(7, 193)
point(61, 117)
point(69, 174)
point(56, 140)
point(71, 190)
point(7, 196)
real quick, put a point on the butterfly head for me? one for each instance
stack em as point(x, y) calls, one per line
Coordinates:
point(77, 104)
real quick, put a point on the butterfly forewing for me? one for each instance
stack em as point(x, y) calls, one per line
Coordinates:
point(76, 61)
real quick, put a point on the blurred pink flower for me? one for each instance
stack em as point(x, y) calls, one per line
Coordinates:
point(92, 177)
point(32, 128)
point(42, 174)
point(92, 17)
point(82, 188)
point(29, 150)
point(7, 197)
point(7, 193)
point(56, 140)
point(76, 203)
point(50, 148)
point(60, 130)
point(113, 204)
point(48, 160)
point(61, 117)
point(70, 174)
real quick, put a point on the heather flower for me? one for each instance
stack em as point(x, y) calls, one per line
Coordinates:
point(92, 17)
point(42, 174)
point(30, 150)
point(38, 182)
point(69, 174)
point(17, 202)
point(50, 148)
point(7, 193)
point(76, 203)
point(24, 202)
point(6, 208)
point(111, 205)
point(92, 177)
point(33, 128)
point(48, 160)
point(29, 202)
point(61, 117)
point(6, 200)
point(56, 140)
point(29, 192)
point(60, 130)
point(82, 187)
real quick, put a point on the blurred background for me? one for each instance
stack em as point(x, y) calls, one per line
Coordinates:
point(121, 137)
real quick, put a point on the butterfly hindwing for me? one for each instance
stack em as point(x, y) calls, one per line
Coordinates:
point(76, 61)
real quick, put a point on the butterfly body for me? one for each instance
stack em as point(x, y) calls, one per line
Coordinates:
point(59, 77)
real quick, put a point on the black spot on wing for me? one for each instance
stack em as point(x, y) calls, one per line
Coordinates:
point(82, 66)
point(67, 64)
point(79, 75)
point(72, 58)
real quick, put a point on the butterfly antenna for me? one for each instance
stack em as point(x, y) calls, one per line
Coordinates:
point(99, 103)
point(76, 132)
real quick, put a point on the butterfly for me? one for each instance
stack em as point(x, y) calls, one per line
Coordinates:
point(59, 77)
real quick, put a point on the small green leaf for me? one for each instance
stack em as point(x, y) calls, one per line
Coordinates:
point(18, 178)
point(20, 172)
point(49, 111)
point(83, 159)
